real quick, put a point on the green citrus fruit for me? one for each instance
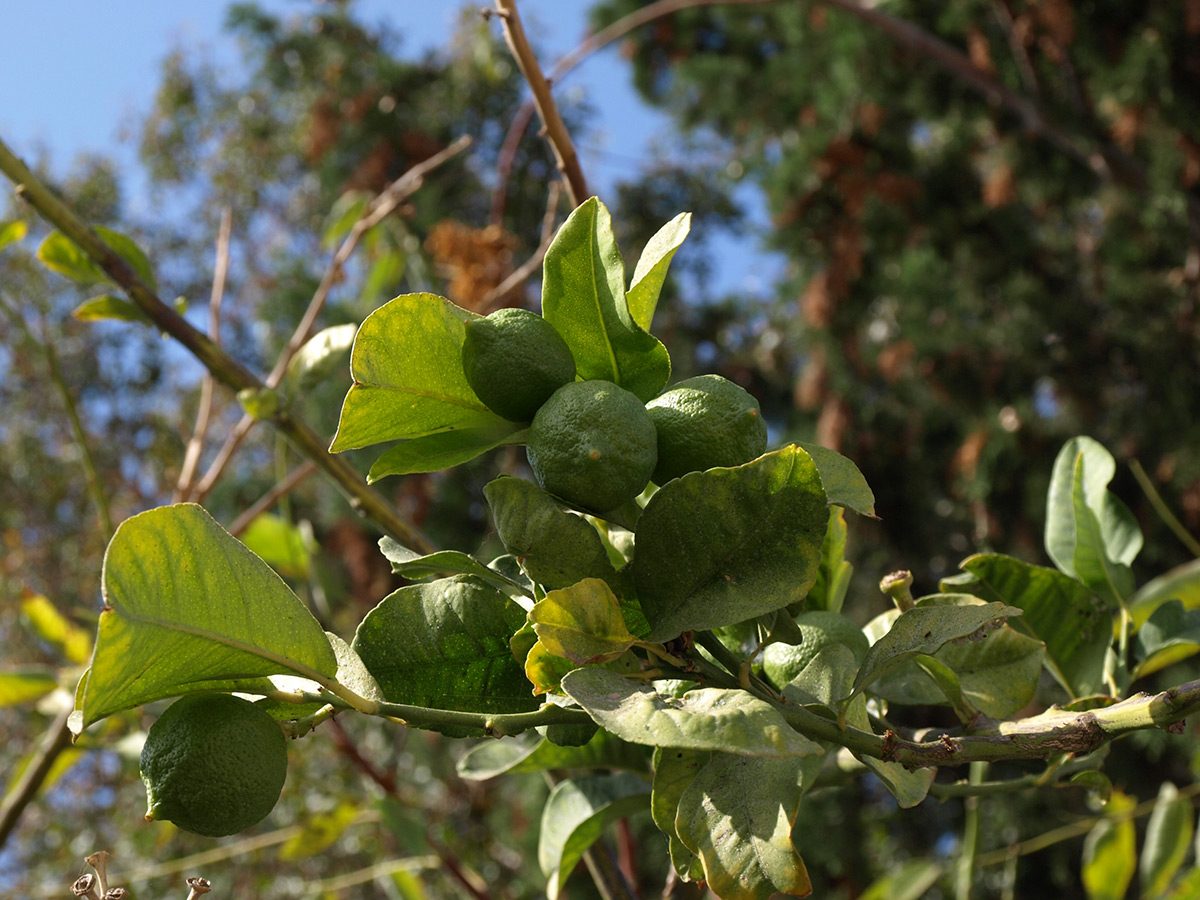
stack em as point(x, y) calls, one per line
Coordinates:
point(514, 360)
point(592, 444)
point(705, 422)
point(213, 764)
point(783, 662)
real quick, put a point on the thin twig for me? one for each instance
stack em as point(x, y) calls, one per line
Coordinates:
point(224, 368)
point(195, 447)
point(375, 212)
point(271, 497)
point(55, 739)
point(556, 129)
point(1164, 511)
point(518, 276)
point(1024, 64)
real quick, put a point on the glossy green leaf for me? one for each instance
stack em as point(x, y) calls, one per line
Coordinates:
point(732, 721)
point(444, 450)
point(1168, 840)
point(834, 572)
point(925, 630)
point(737, 816)
point(1073, 623)
point(1168, 636)
point(187, 604)
point(415, 566)
point(583, 297)
point(320, 356)
point(843, 483)
point(910, 881)
point(1110, 854)
point(1086, 525)
point(651, 269)
point(908, 786)
point(13, 232)
point(674, 771)
point(582, 623)
point(575, 816)
point(727, 545)
point(25, 685)
point(109, 306)
point(556, 548)
point(1181, 583)
point(444, 645)
point(280, 544)
point(408, 379)
point(530, 752)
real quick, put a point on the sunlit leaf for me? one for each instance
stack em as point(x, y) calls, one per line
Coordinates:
point(44, 619)
point(1110, 853)
point(843, 483)
point(582, 623)
point(320, 356)
point(833, 574)
point(1168, 840)
point(444, 450)
point(318, 832)
point(280, 544)
point(415, 566)
point(651, 269)
point(1181, 583)
point(18, 686)
point(674, 771)
point(530, 752)
point(13, 232)
point(109, 306)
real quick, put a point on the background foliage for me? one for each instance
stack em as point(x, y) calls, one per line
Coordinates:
point(969, 284)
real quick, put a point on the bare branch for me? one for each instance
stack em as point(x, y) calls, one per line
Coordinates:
point(271, 497)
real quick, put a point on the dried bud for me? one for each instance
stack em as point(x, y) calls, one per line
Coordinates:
point(99, 862)
point(85, 886)
point(198, 886)
point(116, 894)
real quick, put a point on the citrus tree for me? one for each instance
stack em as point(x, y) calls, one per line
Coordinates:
point(661, 629)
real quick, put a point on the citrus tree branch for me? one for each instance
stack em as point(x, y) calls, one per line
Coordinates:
point(224, 368)
point(55, 740)
point(556, 130)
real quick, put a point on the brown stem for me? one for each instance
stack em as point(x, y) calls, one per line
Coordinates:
point(224, 368)
point(195, 447)
point(376, 211)
point(54, 741)
point(556, 130)
point(271, 497)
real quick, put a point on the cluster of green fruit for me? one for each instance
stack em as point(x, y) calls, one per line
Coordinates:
point(592, 443)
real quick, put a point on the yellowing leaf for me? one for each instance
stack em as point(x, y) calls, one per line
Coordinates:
point(51, 626)
point(582, 623)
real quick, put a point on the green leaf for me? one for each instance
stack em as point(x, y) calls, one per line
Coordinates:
point(583, 297)
point(1110, 854)
point(1181, 583)
point(826, 680)
point(582, 623)
point(434, 452)
point(732, 721)
point(415, 566)
point(345, 212)
point(1073, 623)
point(322, 354)
point(318, 832)
point(834, 572)
point(908, 786)
point(444, 645)
point(530, 752)
point(997, 675)
point(12, 232)
point(556, 548)
point(909, 882)
point(1084, 522)
point(408, 377)
point(575, 816)
point(60, 254)
point(727, 545)
point(844, 484)
point(1168, 839)
point(924, 630)
point(737, 816)
point(1187, 887)
point(260, 404)
point(186, 604)
point(1111, 580)
point(18, 686)
point(674, 771)
point(544, 670)
point(280, 544)
point(109, 306)
point(42, 617)
point(651, 269)
point(1168, 636)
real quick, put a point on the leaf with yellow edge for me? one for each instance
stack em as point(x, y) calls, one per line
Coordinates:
point(582, 623)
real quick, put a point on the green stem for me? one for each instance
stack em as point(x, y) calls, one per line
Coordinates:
point(1164, 511)
point(223, 367)
point(965, 872)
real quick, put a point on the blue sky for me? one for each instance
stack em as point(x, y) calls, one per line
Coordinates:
point(75, 71)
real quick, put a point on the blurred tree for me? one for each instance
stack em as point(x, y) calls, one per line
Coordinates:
point(992, 216)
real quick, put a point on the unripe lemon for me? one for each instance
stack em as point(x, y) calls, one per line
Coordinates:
point(593, 445)
point(783, 662)
point(213, 764)
point(705, 422)
point(514, 360)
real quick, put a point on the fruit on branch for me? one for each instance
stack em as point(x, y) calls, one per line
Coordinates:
point(593, 445)
point(704, 422)
point(213, 764)
point(514, 360)
point(821, 628)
